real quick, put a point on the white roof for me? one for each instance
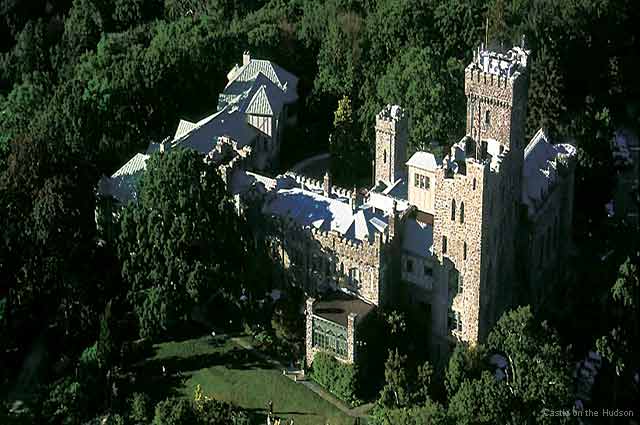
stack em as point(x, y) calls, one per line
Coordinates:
point(423, 160)
point(311, 209)
point(122, 185)
point(540, 170)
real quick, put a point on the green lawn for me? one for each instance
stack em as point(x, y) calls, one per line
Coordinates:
point(228, 372)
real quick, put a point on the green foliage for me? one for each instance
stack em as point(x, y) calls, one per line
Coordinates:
point(626, 290)
point(139, 409)
point(338, 378)
point(464, 364)
point(64, 403)
point(181, 241)
point(396, 392)
point(426, 84)
point(539, 371)
point(347, 154)
point(481, 401)
point(431, 413)
point(174, 411)
point(106, 345)
point(157, 313)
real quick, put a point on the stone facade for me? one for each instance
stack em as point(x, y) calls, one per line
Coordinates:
point(391, 144)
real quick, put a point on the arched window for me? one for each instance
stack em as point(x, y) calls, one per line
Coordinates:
point(462, 212)
point(453, 210)
point(444, 244)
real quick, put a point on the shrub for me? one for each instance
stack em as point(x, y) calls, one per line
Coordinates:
point(338, 378)
point(174, 411)
point(139, 409)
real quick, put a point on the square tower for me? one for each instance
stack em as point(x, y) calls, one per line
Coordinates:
point(391, 144)
point(496, 86)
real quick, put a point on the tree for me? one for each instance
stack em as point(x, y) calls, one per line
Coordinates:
point(106, 346)
point(431, 413)
point(139, 409)
point(174, 411)
point(181, 241)
point(481, 401)
point(423, 387)
point(396, 392)
point(546, 104)
point(64, 403)
point(538, 373)
point(429, 87)
point(464, 364)
point(347, 155)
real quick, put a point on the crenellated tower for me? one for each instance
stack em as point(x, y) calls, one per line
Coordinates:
point(391, 144)
point(478, 194)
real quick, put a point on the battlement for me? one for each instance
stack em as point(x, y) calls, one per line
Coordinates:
point(390, 113)
point(318, 185)
point(506, 65)
point(333, 241)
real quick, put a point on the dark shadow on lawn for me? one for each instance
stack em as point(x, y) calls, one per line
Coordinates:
point(259, 416)
point(150, 377)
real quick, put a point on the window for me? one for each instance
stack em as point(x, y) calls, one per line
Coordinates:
point(453, 210)
point(330, 337)
point(455, 321)
point(487, 118)
point(444, 244)
point(464, 250)
point(474, 183)
point(385, 157)
point(421, 181)
point(409, 266)
point(460, 284)
point(462, 212)
point(428, 271)
point(354, 275)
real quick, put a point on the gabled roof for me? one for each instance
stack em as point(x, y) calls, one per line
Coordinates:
point(423, 160)
point(540, 170)
point(259, 104)
point(122, 185)
point(184, 127)
point(204, 137)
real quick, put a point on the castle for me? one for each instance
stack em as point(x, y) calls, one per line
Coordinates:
point(460, 238)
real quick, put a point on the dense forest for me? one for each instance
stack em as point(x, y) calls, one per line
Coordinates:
point(85, 84)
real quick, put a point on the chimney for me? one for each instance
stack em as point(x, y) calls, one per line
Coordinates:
point(353, 199)
point(326, 185)
point(246, 57)
point(392, 219)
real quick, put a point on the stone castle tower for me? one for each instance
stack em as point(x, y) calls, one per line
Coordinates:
point(391, 144)
point(478, 196)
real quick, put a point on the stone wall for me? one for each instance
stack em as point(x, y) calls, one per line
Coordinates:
point(460, 188)
point(310, 350)
point(318, 261)
point(391, 145)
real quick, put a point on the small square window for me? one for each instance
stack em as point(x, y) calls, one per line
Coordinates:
point(428, 271)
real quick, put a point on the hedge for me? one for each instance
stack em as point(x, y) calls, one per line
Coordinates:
point(338, 378)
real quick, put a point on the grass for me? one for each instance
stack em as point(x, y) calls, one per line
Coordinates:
point(228, 372)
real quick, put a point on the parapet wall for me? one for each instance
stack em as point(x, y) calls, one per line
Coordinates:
point(318, 184)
